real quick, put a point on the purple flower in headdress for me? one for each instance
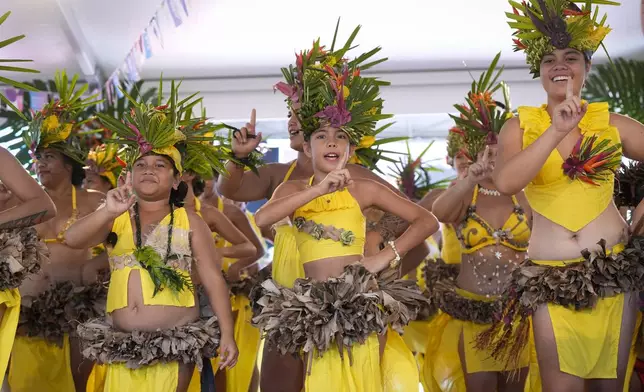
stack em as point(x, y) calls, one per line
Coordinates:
point(337, 115)
point(288, 90)
point(144, 146)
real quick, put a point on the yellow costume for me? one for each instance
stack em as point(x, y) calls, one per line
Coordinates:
point(10, 300)
point(246, 336)
point(451, 249)
point(444, 372)
point(330, 372)
point(286, 260)
point(161, 376)
point(32, 357)
point(573, 204)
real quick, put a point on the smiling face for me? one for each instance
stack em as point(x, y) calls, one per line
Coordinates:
point(327, 147)
point(295, 134)
point(559, 66)
point(153, 177)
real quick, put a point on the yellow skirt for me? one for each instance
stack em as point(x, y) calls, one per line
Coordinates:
point(591, 334)
point(398, 368)
point(247, 337)
point(136, 379)
point(37, 365)
point(286, 265)
point(416, 336)
point(332, 373)
point(11, 300)
point(442, 370)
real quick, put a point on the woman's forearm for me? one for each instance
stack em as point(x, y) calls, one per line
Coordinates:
point(90, 230)
point(239, 251)
point(448, 206)
point(513, 175)
point(276, 210)
point(28, 213)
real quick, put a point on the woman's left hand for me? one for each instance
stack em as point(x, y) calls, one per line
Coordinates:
point(377, 262)
point(228, 352)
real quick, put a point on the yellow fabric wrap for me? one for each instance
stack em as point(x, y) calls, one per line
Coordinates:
point(331, 373)
point(37, 365)
point(399, 369)
point(162, 377)
point(442, 370)
point(591, 334)
point(551, 192)
point(451, 250)
point(117, 293)
point(286, 259)
point(340, 210)
point(10, 299)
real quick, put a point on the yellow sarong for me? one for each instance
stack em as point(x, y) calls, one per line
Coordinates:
point(37, 365)
point(11, 300)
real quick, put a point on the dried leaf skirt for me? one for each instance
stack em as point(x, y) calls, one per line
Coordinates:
point(40, 359)
point(585, 300)
point(334, 324)
point(10, 300)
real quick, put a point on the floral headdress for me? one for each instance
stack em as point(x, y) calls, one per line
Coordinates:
point(481, 117)
point(328, 88)
point(545, 25)
point(161, 129)
point(413, 175)
point(55, 124)
point(104, 161)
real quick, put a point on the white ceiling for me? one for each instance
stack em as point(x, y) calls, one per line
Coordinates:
point(228, 38)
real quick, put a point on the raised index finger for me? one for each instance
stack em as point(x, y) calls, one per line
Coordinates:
point(569, 91)
point(253, 116)
point(344, 158)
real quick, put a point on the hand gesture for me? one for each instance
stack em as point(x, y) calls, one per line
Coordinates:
point(228, 352)
point(567, 114)
point(480, 169)
point(245, 141)
point(120, 199)
point(336, 179)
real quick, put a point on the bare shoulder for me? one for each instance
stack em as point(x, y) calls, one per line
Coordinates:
point(89, 200)
point(625, 123)
point(512, 127)
point(428, 200)
point(288, 187)
point(196, 222)
point(233, 212)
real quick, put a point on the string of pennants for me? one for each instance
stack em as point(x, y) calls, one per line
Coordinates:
point(171, 13)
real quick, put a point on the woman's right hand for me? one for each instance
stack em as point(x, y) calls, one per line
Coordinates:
point(480, 169)
point(245, 141)
point(337, 179)
point(120, 199)
point(567, 114)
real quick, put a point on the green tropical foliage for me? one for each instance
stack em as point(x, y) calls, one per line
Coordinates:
point(621, 84)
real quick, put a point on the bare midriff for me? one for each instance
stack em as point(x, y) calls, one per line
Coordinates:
point(331, 267)
point(141, 317)
point(486, 270)
point(550, 241)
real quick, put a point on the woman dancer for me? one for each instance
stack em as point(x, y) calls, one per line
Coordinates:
point(153, 244)
point(23, 204)
point(493, 231)
point(579, 289)
point(67, 290)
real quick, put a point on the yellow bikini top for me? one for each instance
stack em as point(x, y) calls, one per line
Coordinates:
point(475, 233)
point(451, 250)
point(60, 237)
point(329, 226)
point(569, 203)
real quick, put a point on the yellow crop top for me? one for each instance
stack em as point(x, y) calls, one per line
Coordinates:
point(569, 203)
point(475, 233)
point(337, 214)
point(122, 261)
point(451, 250)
